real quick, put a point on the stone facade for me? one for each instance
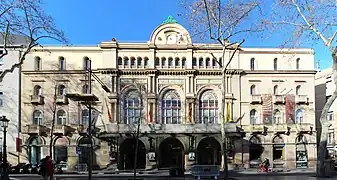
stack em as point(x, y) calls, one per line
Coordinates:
point(180, 94)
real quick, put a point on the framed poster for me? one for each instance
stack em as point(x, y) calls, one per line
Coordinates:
point(152, 156)
point(191, 156)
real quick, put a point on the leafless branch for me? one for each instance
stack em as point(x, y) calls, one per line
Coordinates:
point(5, 41)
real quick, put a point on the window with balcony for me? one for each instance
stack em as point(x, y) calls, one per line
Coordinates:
point(62, 64)
point(86, 63)
point(275, 64)
point(277, 117)
point(252, 64)
point(37, 63)
point(298, 90)
point(254, 117)
point(171, 108)
point(37, 91)
point(62, 90)
point(37, 117)
point(276, 90)
point(299, 116)
point(208, 108)
point(85, 89)
point(330, 116)
point(85, 117)
point(61, 117)
point(252, 90)
point(132, 107)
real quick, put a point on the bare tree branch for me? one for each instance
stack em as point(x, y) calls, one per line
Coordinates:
point(5, 41)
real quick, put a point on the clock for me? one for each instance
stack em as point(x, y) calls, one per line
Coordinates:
point(171, 39)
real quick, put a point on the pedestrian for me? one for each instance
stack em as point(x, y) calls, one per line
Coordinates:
point(49, 167)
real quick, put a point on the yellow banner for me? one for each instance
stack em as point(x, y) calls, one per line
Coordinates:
point(228, 112)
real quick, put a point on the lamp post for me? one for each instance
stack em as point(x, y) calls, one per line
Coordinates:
point(4, 175)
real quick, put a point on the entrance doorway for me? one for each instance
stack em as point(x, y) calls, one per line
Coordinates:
point(171, 153)
point(34, 148)
point(301, 152)
point(255, 151)
point(209, 152)
point(127, 154)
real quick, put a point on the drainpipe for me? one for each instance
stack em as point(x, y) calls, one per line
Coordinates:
point(19, 107)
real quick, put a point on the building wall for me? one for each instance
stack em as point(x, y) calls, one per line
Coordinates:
point(112, 62)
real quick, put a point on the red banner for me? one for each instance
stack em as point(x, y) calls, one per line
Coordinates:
point(290, 109)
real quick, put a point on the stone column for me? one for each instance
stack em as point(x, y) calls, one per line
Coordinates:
point(72, 156)
point(113, 110)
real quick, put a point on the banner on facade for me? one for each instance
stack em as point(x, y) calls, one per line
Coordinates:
point(267, 108)
point(290, 109)
point(228, 112)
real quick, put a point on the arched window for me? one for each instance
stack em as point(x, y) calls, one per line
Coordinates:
point(194, 61)
point(133, 61)
point(157, 61)
point(146, 61)
point(297, 63)
point(183, 62)
point(208, 62)
point(61, 117)
point(214, 62)
point(85, 117)
point(139, 61)
point(132, 107)
point(62, 63)
point(120, 61)
point(277, 117)
point(299, 116)
point(208, 107)
point(298, 90)
point(86, 63)
point(177, 62)
point(37, 63)
point(252, 90)
point(61, 150)
point(254, 117)
point(37, 90)
point(201, 61)
point(252, 64)
point(163, 61)
point(275, 64)
point(171, 108)
point(170, 61)
point(61, 90)
point(85, 89)
point(276, 90)
point(37, 117)
point(126, 61)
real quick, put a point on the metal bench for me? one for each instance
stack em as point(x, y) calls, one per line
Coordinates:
point(206, 171)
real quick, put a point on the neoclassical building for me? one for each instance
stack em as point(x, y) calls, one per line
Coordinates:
point(179, 93)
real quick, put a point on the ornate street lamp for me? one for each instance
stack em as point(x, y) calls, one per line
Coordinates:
point(4, 174)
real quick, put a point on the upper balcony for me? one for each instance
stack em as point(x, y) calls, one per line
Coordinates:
point(279, 99)
point(256, 99)
point(301, 128)
point(37, 99)
point(302, 99)
point(35, 129)
point(64, 130)
point(61, 99)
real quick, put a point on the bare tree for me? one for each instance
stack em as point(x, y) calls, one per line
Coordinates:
point(224, 22)
point(308, 22)
point(25, 18)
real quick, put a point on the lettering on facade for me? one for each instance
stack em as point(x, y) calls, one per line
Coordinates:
point(209, 81)
point(171, 81)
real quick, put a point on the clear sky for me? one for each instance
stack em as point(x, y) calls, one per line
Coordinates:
point(88, 22)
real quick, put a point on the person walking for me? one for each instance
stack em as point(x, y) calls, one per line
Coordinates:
point(49, 169)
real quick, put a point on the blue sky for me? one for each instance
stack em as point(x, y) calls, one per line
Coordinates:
point(89, 22)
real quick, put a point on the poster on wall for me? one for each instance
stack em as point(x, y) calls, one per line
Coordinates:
point(267, 108)
point(152, 156)
point(191, 156)
point(290, 109)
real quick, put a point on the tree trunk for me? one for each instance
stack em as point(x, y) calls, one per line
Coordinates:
point(53, 124)
point(320, 168)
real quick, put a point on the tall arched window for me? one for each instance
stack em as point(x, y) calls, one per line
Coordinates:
point(171, 108)
point(37, 90)
point(170, 61)
point(61, 117)
point(86, 63)
point(61, 149)
point(298, 90)
point(139, 61)
point(85, 89)
point(276, 90)
point(163, 61)
point(252, 90)
point(61, 90)
point(297, 63)
point(37, 63)
point(208, 62)
point(277, 117)
point(275, 64)
point(132, 107)
point(252, 64)
point(299, 116)
point(201, 61)
point(133, 61)
point(37, 117)
point(62, 63)
point(177, 62)
point(208, 107)
point(85, 117)
point(126, 61)
point(254, 117)
point(120, 61)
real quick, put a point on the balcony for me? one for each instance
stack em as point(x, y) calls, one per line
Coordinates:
point(60, 129)
point(280, 128)
point(256, 99)
point(61, 99)
point(301, 128)
point(37, 99)
point(82, 129)
point(279, 99)
point(255, 128)
point(34, 129)
point(229, 96)
point(302, 99)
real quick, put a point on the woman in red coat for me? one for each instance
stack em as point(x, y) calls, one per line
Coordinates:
point(49, 168)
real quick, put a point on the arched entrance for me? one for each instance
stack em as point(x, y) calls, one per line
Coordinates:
point(301, 152)
point(61, 150)
point(209, 152)
point(127, 154)
point(171, 152)
point(255, 151)
point(278, 152)
point(84, 149)
point(34, 150)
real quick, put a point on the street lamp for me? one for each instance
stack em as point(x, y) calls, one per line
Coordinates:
point(4, 175)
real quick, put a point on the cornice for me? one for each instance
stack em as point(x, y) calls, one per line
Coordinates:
point(281, 72)
point(25, 72)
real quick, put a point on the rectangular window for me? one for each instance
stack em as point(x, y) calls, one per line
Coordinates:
point(194, 62)
point(330, 116)
point(331, 138)
point(62, 65)
point(1, 99)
